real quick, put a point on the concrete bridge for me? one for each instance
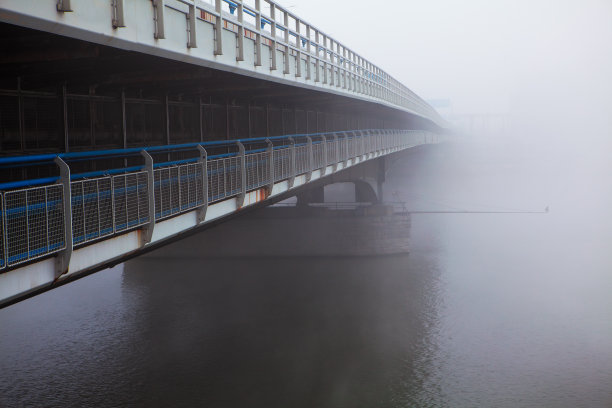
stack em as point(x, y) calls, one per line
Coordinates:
point(125, 124)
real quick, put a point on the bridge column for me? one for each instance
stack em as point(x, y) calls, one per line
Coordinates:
point(313, 195)
point(364, 193)
point(63, 258)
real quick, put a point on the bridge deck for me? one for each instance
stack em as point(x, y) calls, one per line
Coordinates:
point(116, 213)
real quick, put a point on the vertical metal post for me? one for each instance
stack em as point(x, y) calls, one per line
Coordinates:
point(219, 27)
point(192, 41)
point(298, 45)
point(118, 16)
point(308, 51)
point(158, 18)
point(258, 33)
point(310, 158)
point(63, 257)
point(287, 49)
point(317, 74)
point(324, 166)
point(63, 6)
point(270, 151)
point(292, 167)
point(337, 154)
point(346, 144)
point(201, 211)
point(324, 59)
point(273, 34)
point(240, 35)
point(147, 229)
point(243, 174)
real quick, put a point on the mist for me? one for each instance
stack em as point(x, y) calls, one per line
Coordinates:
point(509, 307)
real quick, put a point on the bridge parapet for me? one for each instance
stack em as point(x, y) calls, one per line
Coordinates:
point(114, 205)
point(258, 38)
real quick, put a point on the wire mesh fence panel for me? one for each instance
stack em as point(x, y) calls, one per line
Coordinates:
point(91, 213)
point(120, 202)
point(189, 180)
point(216, 179)
point(143, 197)
point(105, 206)
point(343, 149)
point(174, 190)
point(282, 164)
point(331, 152)
point(257, 169)
point(30, 221)
point(37, 222)
point(2, 256)
point(301, 159)
point(77, 202)
point(233, 176)
point(131, 194)
point(317, 155)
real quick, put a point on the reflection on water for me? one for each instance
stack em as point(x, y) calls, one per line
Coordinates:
point(486, 310)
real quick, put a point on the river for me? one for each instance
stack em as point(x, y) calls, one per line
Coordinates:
point(487, 310)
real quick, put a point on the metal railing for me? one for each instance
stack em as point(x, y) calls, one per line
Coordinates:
point(33, 222)
point(265, 34)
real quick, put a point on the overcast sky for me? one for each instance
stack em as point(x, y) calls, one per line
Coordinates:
point(487, 56)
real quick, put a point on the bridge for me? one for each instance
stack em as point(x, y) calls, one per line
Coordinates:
point(125, 124)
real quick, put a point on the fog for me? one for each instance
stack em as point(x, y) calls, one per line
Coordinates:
point(486, 310)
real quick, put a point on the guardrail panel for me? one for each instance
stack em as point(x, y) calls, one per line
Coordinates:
point(29, 223)
point(2, 253)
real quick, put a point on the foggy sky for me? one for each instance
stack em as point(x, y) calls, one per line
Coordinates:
point(486, 56)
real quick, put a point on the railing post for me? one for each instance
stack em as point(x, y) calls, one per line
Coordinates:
point(287, 49)
point(192, 41)
point(270, 151)
point(118, 16)
point(63, 6)
point(317, 61)
point(158, 17)
point(337, 148)
point(240, 39)
point(310, 158)
point(203, 160)
point(309, 52)
point(324, 166)
point(243, 174)
point(63, 257)
point(298, 45)
point(273, 34)
point(147, 229)
point(363, 146)
point(346, 144)
point(258, 33)
point(219, 27)
point(292, 167)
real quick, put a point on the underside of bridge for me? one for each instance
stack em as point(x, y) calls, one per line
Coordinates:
point(61, 94)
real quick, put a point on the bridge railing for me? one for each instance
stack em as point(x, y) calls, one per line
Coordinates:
point(34, 223)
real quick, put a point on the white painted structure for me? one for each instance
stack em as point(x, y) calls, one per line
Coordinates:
point(256, 38)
